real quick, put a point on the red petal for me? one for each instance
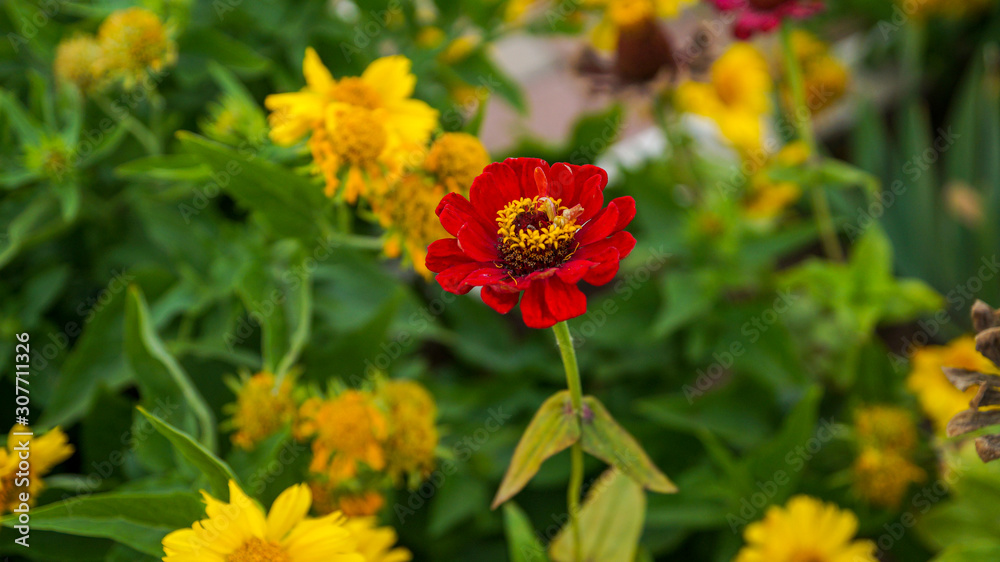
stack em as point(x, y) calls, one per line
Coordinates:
point(452, 279)
point(476, 243)
point(626, 211)
point(500, 301)
point(621, 241)
point(584, 175)
point(486, 276)
point(524, 172)
point(493, 189)
point(600, 227)
point(591, 198)
point(564, 300)
point(562, 184)
point(444, 253)
point(604, 272)
point(533, 309)
point(625, 243)
point(574, 270)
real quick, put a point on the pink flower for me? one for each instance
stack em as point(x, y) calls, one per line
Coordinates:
point(765, 15)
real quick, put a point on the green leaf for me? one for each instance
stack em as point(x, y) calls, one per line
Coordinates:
point(171, 167)
point(611, 521)
point(29, 131)
point(602, 437)
point(218, 472)
point(553, 429)
point(522, 542)
point(138, 520)
point(161, 378)
point(285, 203)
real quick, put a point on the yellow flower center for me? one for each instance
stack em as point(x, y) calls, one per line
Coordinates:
point(258, 550)
point(358, 138)
point(536, 233)
point(354, 91)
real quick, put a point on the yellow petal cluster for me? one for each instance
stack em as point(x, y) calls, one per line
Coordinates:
point(240, 531)
point(884, 468)
point(43, 451)
point(407, 208)
point(938, 398)
point(367, 128)
point(825, 78)
point(805, 530)
point(133, 42)
point(736, 97)
point(261, 410)
point(413, 437)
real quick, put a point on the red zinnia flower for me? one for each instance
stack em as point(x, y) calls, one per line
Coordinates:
point(528, 227)
point(765, 15)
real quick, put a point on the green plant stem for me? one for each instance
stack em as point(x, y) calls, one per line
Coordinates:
point(565, 342)
point(802, 117)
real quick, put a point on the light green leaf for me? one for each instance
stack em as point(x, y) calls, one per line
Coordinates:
point(611, 521)
point(553, 429)
point(602, 437)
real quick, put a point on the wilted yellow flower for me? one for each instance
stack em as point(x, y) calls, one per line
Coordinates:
point(618, 15)
point(412, 436)
point(329, 497)
point(882, 476)
point(407, 209)
point(239, 531)
point(348, 430)
point(736, 98)
point(367, 126)
point(376, 543)
point(825, 79)
point(259, 411)
point(78, 61)
point(45, 452)
point(134, 41)
point(938, 398)
point(805, 530)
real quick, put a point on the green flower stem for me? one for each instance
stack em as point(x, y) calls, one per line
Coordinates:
point(802, 117)
point(565, 342)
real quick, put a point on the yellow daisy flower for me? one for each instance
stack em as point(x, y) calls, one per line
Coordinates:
point(805, 530)
point(259, 411)
point(367, 125)
point(348, 430)
point(134, 41)
point(45, 452)
point(239, 531)
point(886, 427)
point(736, 98)
point(376, 543)
point(937, 397)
